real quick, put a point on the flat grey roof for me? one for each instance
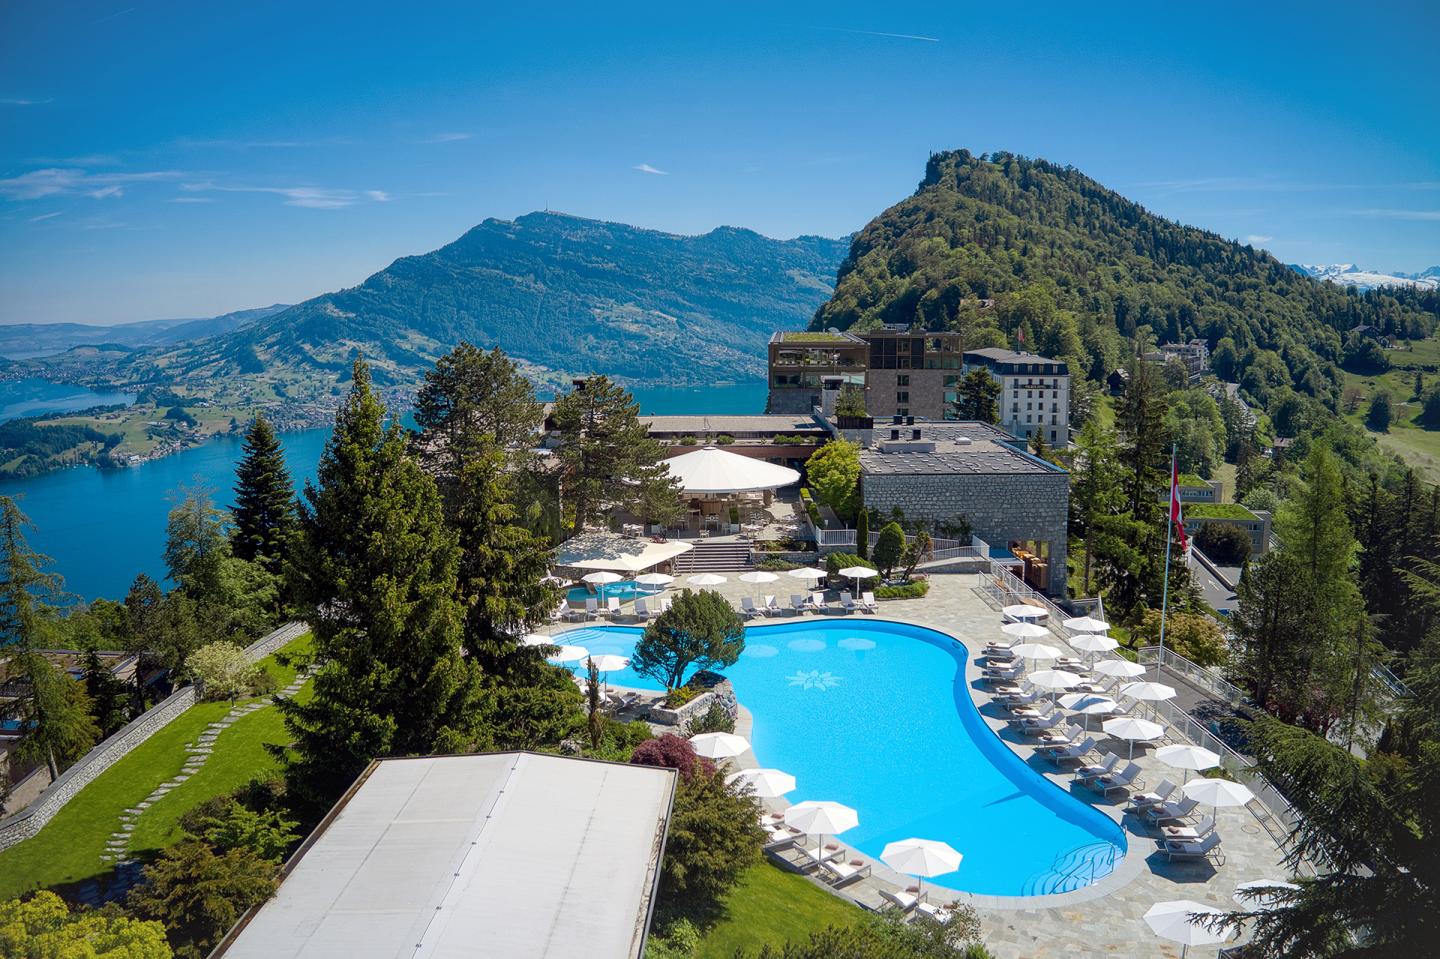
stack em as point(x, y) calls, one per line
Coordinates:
point(1011, 356)
point(984, 455)
point(733, 423)
point(508, 855)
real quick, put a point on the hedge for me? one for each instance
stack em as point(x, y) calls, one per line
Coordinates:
point(911, 590)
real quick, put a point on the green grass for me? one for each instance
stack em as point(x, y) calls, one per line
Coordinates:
point(68, 849)
point(771, 906)
point(1417, 446)
point(1217, 511)
point(1225, 473)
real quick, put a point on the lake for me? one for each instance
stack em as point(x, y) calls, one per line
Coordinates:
point(102, 527)
point(32, 397)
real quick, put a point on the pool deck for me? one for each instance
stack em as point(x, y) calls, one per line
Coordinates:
point(1104, 918)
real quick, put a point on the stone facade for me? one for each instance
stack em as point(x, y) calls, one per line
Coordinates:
point(30, 820)
point(1000, 507)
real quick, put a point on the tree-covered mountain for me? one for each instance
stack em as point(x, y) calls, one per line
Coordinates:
point(561, 294)
point(1078, 271)
point(29, 339)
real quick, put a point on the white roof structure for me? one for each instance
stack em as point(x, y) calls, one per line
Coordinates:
point(626, 554)
point(713, 470)
point(505, 855)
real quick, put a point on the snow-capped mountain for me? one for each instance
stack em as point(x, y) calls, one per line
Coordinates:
point(1348, 274)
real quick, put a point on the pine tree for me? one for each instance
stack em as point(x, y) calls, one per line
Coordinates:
point(264, 510)
point(862, 534)
point(607, 457)
point(108, 695)
point(375, 572)
point(1094, 492)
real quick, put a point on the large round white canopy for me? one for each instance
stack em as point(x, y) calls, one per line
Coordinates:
point(1186, 756)
point(1054, 679)
point(816, 817)
point(1150, 691)
point(1024, 630)
point(607, 663)
point(713, 470)
point(1025, 611)
point(1093, 643)
point(568, 654)
point(1086, 624)
point(921, 857)
point(1218, 792)
point(1119, 667)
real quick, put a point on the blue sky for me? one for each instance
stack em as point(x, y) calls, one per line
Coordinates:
point(166, 159)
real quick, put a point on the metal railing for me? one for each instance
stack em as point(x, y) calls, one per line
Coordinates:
point(1201, 676)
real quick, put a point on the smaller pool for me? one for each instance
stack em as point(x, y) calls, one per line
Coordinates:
point(625, 589)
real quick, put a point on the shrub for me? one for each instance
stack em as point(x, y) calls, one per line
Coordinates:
point(1378, 417)
point(264, 683)
point(735, 516)
point(714, 837)
point(681, 695)
point(43, 927)
point(912, 590)
point(716, 719)
point(834, 475)
point(689, 439)
point(889, 547)
point(199, 895)
point(835, 562)
point(773, 564)
point(724, 439)
point(1195, 636)
point(222, 669)
point(672, 752)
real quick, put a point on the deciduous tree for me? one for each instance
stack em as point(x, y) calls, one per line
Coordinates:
point(221, 669)
point(43, 927)
point(833, 472)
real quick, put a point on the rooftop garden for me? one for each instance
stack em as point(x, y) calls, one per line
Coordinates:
point(1218, 511)
point(1193, 479)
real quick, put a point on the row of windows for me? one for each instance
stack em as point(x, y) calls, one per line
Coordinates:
point(1054, 407)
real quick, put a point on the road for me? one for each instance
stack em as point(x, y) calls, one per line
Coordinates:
point(1216, 593)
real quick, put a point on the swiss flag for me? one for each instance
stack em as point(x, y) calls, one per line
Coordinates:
point(1176, 514)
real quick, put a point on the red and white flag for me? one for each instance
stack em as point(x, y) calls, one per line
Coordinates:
point(1177, 515)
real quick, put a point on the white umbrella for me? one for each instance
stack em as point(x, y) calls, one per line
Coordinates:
point(568, 654)
point(1093, 643)
point(857, 573)
point(1054, 679)
point(1122, 668)
point(819, 818)
point(766, 783)
point(807, 572)
point(1187, 757)
point(608, 663)
point(719, 745)
point(1172, 920)
point(554, 580)
point(1089, 704)
point(602, 578)
point(1024, 630)
point(1263, 895)
point(1025, 611)
point(707, 579)
point(1132, 730)
point(1218, 792)
point(1150, 691)
point(920, 858)
point(757, 576)
point(1035, 651)
point(713, 470)
point(537, 639)
point(654, 579)
point(1086, 624)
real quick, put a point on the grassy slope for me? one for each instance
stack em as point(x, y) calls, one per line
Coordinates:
point(68, 848)
point(1418, 447)
point(771, 906)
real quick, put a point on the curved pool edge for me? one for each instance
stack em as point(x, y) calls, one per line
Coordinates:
point(1126, 870)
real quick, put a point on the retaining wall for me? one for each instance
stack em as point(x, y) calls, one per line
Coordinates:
point(30, 820)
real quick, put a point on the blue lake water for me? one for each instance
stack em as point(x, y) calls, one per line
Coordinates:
point(32, 397)
point(102, 527)
point(876, 715)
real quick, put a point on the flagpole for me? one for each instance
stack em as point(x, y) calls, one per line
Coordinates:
point(1169, 535)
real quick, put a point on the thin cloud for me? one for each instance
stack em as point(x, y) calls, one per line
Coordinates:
point(69, 181)
point(192, 199)
point(25, 101)
point(1401, 214)
point(46, 216)
point(112, 16)
point(1255, 239)
point(647, 168)
point(453, 137)
point(107, 191)
point(309, 197)
point(891, 36)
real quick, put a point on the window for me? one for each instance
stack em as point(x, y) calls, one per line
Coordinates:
point(902, 380)
point(902, 397)
point(902, 412)
point(1029, 406)
point(1015, 407)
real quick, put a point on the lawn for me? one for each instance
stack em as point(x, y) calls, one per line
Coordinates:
point(771, 906)
point(1417, 446)
point(68, 849)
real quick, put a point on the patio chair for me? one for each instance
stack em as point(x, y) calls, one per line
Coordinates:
point(817, 600)
point(902, 899)
point(1105, 785)
point(1056, 738)
point(1020, 698)
point(941, 914)
point(799, 603)
point(1069, 754)
point(1168, 811)
point(840, 871)
point(592, 607)
point(867, 601)
point(810, 859)
point(1023, 714)
point(1200, 830)
point(847, 602)
point(612, 607)
point(1105, 767)
point(1207, 849)
point(1162, 792)
point(1034, 727)
point(994, 673)
point(747, 607)
point(771, 607)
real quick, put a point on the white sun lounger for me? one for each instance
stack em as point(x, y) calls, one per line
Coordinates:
point(1207, 848)
point(1103, 768)
point(592, 607)
point(612, 607)
point(867, 601)
point(747, 607)
point(1122, 780)
point(799, 603)
point(901, 899)
point(1200, 830)
point(809, 859)
point(771, 607)
point(839, 872)
point(1162, 792)
point(1070, 754)
point(1169, 811)
point(642, 609)
point(847, 602)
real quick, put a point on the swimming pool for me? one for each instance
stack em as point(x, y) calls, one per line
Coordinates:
point(625, 589)
point(877, 715)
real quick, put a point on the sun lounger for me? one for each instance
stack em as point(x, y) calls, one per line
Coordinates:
point(1194, 850)
point(1105, 785)
point(642, 609)
point(1200, 830)
point(1168, 811)
point(867, 601)
point(747, 608)
point(993, 673)
point(664, 604)
point(612, 607)
point(592, 607)
point(1106, 766)
point(1040, 724)
point(1056, 738)
point(901, 899)
point(817, 600)
point(839, 871)
point(771, 607)
point(941, 914)
point(1073, 753)
point(809, 859)
point(1162, 792)
point(1024, 713)
point(799, 603)
point(847, 603)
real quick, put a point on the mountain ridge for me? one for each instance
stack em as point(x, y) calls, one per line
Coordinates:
point(30, 338)
point(1349, 274)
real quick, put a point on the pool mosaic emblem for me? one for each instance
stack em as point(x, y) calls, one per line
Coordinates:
point(814, 679)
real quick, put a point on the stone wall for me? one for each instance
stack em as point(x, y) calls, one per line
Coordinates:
point(1000, 507)
point(28, 821)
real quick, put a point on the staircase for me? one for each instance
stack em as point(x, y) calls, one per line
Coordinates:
point(709, 557)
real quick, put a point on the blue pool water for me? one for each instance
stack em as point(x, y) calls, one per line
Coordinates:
point(876, 715)
point(625, 590)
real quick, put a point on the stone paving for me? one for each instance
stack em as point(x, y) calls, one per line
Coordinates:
point(1105, 918)
point(117, 846)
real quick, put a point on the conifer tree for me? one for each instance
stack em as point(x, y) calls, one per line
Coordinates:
point(1094, 492)
point(374, 571)
point(264, 510)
